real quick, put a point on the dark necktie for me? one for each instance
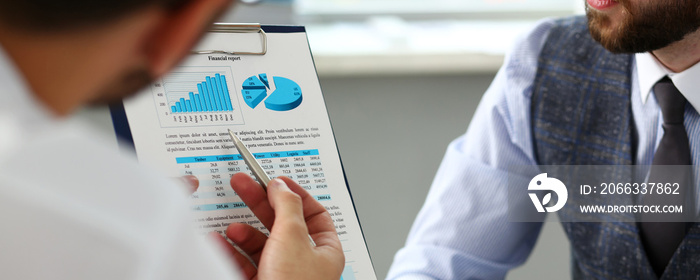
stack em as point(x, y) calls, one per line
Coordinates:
point(661, 239)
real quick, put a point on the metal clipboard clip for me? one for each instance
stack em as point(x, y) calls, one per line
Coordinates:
point(237, 28)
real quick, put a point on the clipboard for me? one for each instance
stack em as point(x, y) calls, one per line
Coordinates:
point(260, 81)
point(237, 28)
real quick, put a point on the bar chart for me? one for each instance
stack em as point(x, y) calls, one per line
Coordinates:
point(193, 96)
point(212, 96)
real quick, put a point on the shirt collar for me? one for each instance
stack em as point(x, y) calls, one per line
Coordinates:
point(650, 71)
point(21, 114)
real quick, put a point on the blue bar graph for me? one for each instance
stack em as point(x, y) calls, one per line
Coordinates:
point(212, 96)
point(222, 79)
point(214, 101)
point(193, 102)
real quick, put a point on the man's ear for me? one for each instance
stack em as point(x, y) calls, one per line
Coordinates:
point(178, 31)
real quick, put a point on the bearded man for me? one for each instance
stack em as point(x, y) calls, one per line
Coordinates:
point(617, 87)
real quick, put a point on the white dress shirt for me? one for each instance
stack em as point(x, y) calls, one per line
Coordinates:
point(463, 231)
point(72, 208)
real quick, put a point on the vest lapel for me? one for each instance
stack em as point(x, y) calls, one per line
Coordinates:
point(581, 115)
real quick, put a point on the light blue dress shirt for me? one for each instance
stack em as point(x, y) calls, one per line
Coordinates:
point(463, 231)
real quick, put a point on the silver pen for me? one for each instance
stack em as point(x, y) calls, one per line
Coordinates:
point(250, 160)
point(255, 167)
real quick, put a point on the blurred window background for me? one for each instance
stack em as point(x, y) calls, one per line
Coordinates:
point(333, 10)
point(351, 37)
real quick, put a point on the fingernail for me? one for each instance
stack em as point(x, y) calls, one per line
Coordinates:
point(277, 184)
point(214, 234)
point(189, 181)
point(192, 180)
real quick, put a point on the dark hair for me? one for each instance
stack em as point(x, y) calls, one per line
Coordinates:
point(61, 15)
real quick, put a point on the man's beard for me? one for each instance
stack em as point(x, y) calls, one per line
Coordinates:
point(128, 84)
point(645, 27)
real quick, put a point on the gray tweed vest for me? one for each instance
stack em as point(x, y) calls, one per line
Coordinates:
point(581, 115)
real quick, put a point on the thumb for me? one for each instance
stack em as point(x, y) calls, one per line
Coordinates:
point(288, 207)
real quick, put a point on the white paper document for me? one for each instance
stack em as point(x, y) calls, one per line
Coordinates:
point(274, 104)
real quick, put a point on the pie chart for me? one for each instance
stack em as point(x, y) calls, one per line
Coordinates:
point(285, 96)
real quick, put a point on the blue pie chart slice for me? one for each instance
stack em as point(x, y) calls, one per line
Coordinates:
point(286, 96)
point(252, 97)
point(253, 83)
point(263, 78)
